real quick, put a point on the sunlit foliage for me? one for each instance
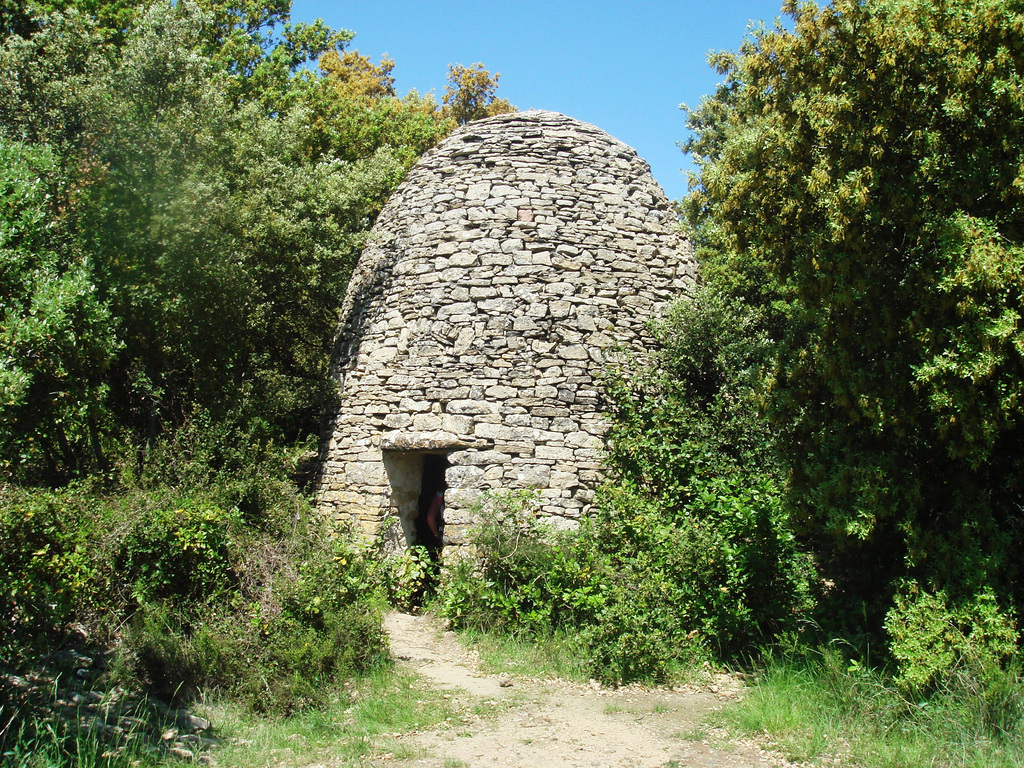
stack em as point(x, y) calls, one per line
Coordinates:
point(469, 94)
point(860, 178)
point(188, 203)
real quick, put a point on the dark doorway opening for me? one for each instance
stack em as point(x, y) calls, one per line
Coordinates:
point(428, 525)
point(430, 509)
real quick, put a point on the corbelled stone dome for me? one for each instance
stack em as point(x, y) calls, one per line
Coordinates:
point(514, 259)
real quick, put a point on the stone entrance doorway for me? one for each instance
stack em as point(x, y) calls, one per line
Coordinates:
point(432, 483)
point(414, 477)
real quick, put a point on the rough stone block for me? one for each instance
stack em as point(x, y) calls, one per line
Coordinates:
point(552, 452)
point(564, 480)
point(500, 392)
point(472, 407)
point(479, 458)
point(534, 476)
point(464, 476)
point(495, 432)
point(461, 425)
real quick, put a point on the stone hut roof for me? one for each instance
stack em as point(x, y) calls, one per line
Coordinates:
point(500, 276)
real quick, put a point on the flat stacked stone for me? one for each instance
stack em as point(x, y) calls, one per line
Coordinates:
point(517, 259)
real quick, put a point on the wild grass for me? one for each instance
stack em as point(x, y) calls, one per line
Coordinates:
point(553, 656)
point(49, 741)
point(817, 704)
point(369, 718)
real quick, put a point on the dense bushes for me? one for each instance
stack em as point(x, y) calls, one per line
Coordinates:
point(689, 552)
point(284, 649)
point(640, 595)
point(860, 181)
point(934, 641)
point(42, 568)
point(227, 582)
point(515, 583)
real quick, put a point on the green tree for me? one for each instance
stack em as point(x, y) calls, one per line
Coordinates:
point(41, 72)
point(356, 112)
point(112, 17)
point(56, 335)
point(469, 94)
point(255, 41)
point(151, 210)
point(224, 248)
point(353, 75)
point(262, 49)
point(861, 175)
point(24, 17)
point(218, 243)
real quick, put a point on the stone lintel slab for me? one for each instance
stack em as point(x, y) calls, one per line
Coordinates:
point(437, 440)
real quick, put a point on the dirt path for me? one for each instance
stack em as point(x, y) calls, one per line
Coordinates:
point(554, 724)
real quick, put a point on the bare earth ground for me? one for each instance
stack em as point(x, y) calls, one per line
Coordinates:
point(529, 723)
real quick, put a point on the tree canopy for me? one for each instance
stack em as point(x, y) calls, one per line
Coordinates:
point(183, 205)
point(861, 175)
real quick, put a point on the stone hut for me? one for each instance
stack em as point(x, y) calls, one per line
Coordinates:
point(515, 260)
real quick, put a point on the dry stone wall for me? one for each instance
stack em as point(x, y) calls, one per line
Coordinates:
point(515, 260)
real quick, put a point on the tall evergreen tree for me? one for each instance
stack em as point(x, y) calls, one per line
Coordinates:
point(861, 173)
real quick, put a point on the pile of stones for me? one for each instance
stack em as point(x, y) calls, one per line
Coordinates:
point(67, 693)
point(515, 264)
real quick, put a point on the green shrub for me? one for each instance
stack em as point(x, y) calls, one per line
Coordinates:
point(516, 558)
point(177, 658)
point(195, 590)
point(932, 638)
point(408, 577)
point(299, 621)
point(460, 598)
point(641, 590)
point(520, 578)
point(181, 552)
point(637, 636)
point(692, 533)
point(299, 665)
point(721, 576)
point(235, 462)
point(45, 569)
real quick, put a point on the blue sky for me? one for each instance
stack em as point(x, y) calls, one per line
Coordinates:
point(623, 66)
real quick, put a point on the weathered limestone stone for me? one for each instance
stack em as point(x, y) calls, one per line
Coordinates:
point(513, 264)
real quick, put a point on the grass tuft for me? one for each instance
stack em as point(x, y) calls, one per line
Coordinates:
point(369, 717)
point(549, 656)
point(46, 740)
point(817, 705)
